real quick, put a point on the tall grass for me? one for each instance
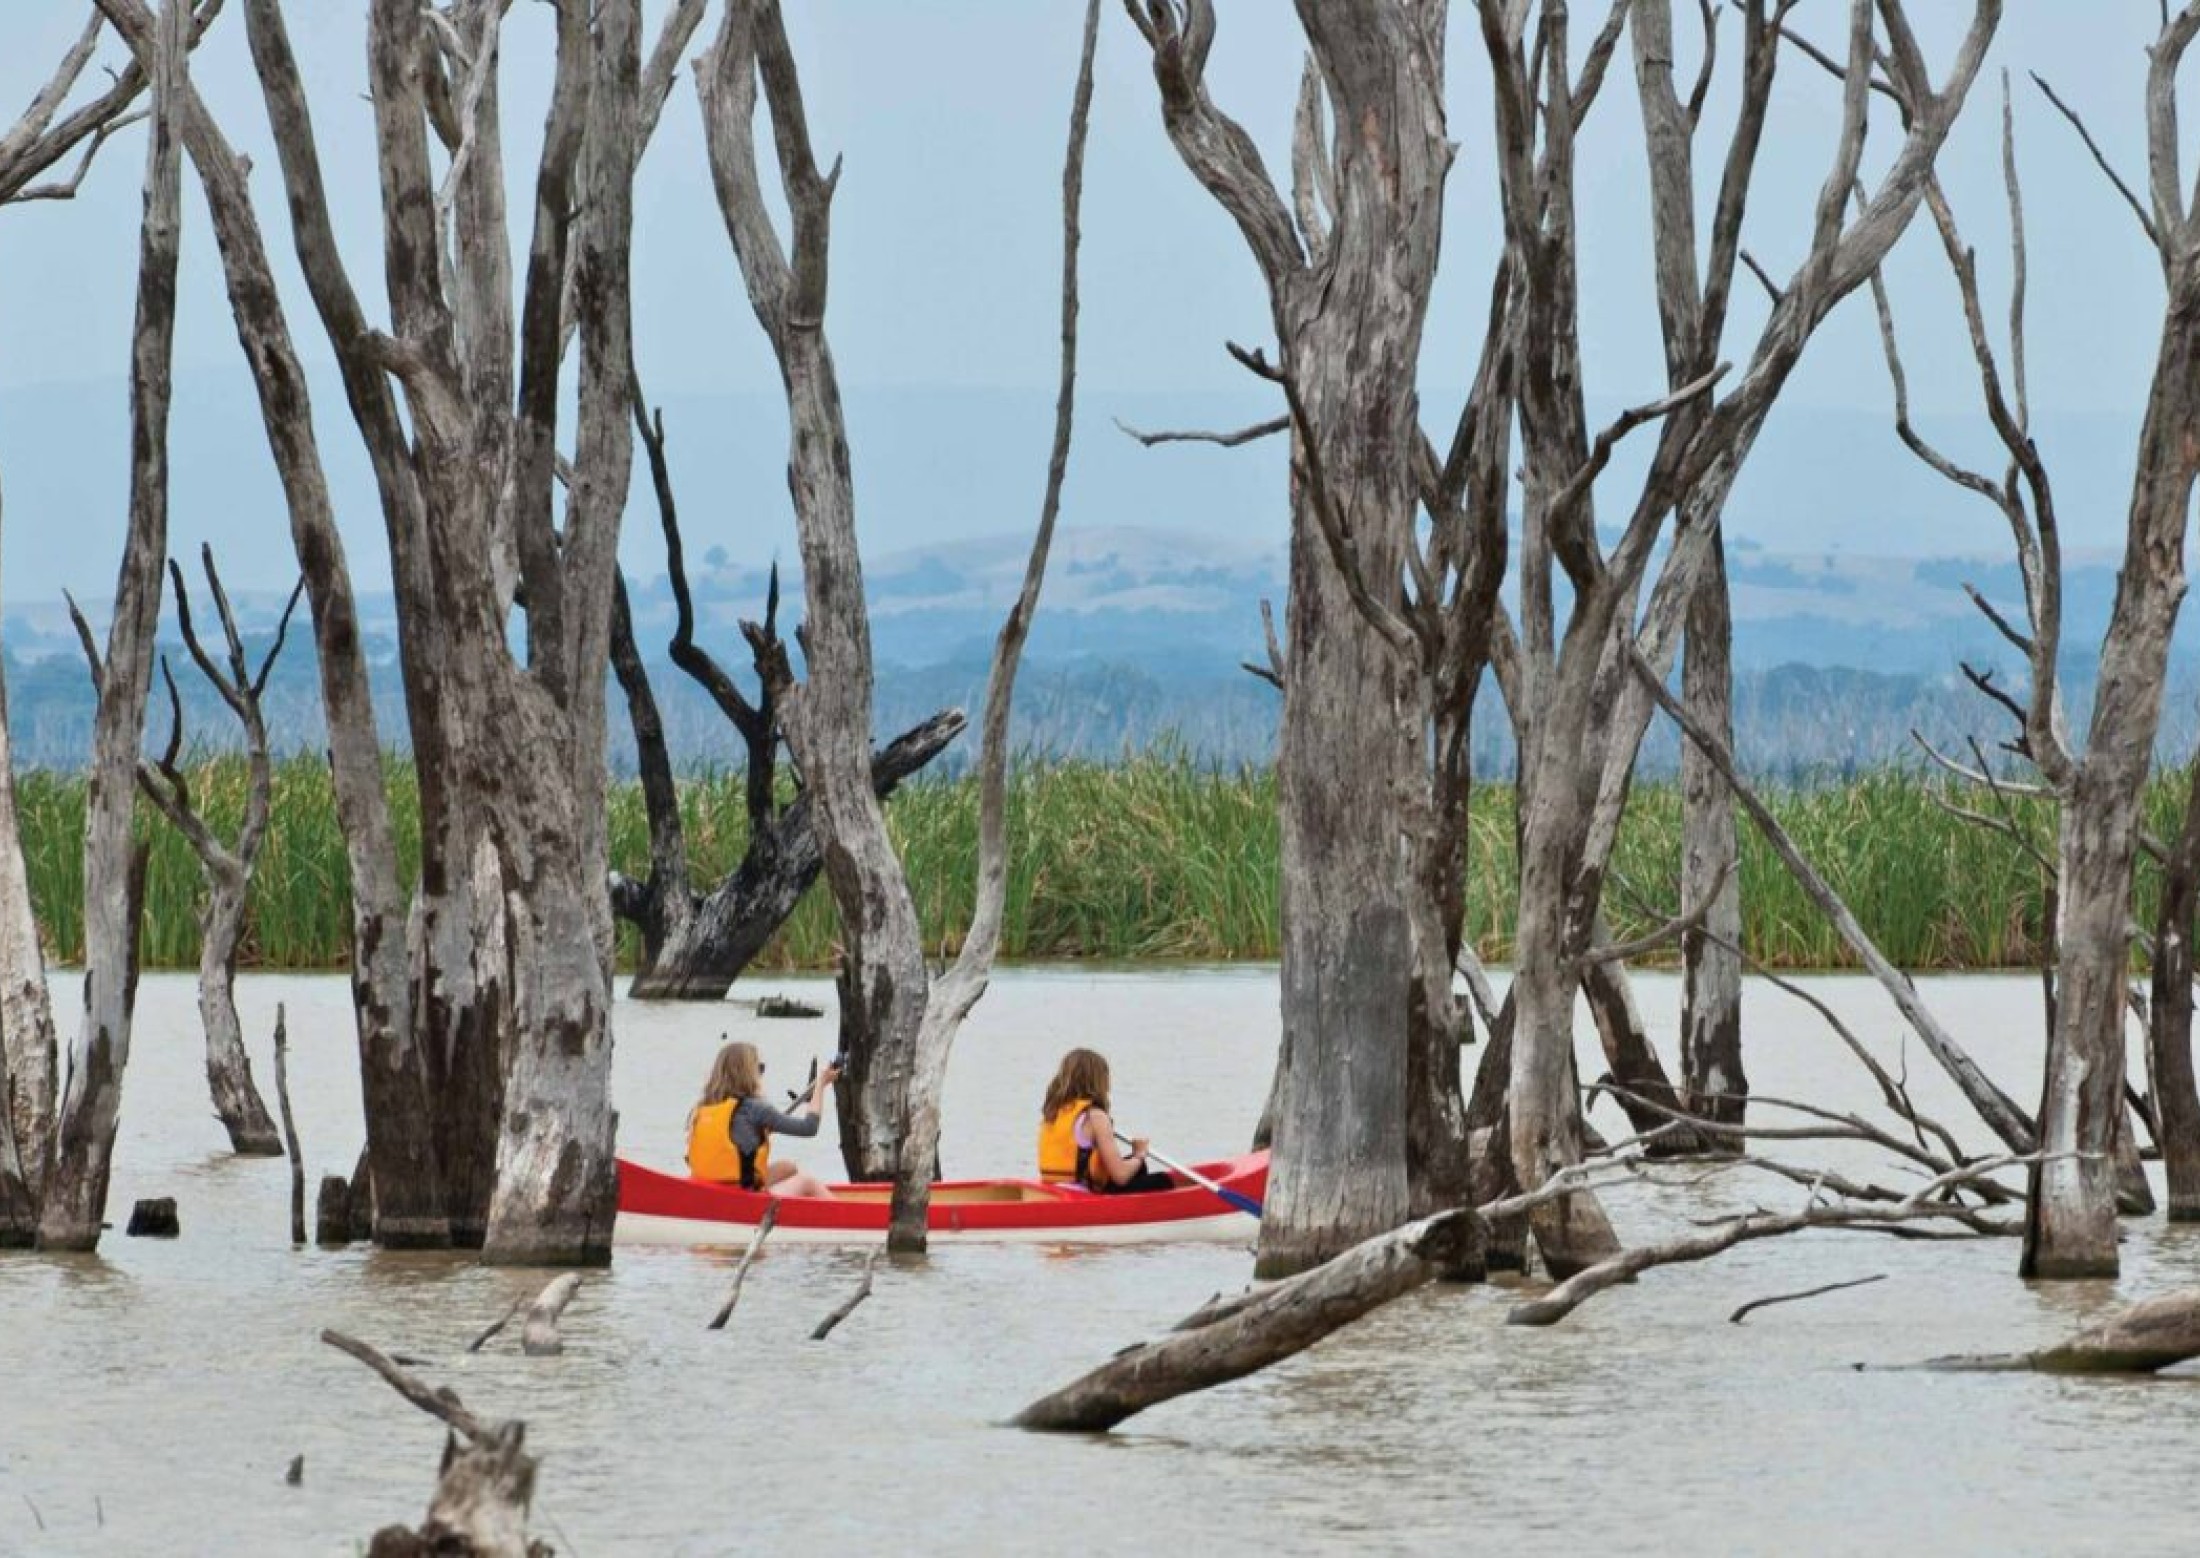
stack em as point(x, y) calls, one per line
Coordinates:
point(1155, 857)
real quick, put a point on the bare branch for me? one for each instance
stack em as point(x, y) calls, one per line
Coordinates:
point(1228, 440)
point(2100, 159)
point(1671, 931)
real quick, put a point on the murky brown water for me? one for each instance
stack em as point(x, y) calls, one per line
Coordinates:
point(150, 1398)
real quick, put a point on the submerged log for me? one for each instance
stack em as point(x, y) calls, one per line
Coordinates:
point(154, 1219)
point(1272, 1323)
point(540, 1339)
point(2146, 1338)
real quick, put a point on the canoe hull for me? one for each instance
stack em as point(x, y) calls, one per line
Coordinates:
point(660, 1208)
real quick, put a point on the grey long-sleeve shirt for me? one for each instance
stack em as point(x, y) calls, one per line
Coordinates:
point(752, 1117)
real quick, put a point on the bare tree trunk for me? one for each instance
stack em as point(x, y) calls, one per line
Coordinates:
point(2071, 1224)
point(1628, 1056)
point(2169, 1025)
point(237, 1101)
point(76, 1186)
point(884, 983)
point(556, 1174)
point(1712, 1078)
point(27, 1042)
point(409, 1192)
point(961, 987)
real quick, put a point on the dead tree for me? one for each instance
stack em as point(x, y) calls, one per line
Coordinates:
point(958, 990)
point(897, 1026)
point(32, 147)
point(2169, 1013)
point(827, 717)
point(1590, 712)
point(2100, 789)
point(512, 929)
point(1347, 265)
point(1692, 310)
point(228, 868)
point(75, 1192)
point(409, 1202)
point(695, 944)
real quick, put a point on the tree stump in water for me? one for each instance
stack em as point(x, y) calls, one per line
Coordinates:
point(786, 1006)
point(154, 1219)
point(332, 1211)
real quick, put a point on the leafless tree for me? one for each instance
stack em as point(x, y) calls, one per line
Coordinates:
point(401, 1135)
point(227, 867)
point(1578, 712)
point(2071, 1230)
point(695, 944)
point(75, 1193)
point(511, 929)
point(897, 1025)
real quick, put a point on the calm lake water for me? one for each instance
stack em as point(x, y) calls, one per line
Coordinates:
point(152, 1396)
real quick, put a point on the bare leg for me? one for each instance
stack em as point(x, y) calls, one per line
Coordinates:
point(787, 1179)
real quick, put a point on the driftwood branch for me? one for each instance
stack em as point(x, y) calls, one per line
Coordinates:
point(1789, 1298)
point(825, 1327)
point(741, 1272)
point(1578, 1289)
point(290, 1130)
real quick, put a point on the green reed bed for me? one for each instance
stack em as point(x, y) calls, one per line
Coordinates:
point(1156, 857)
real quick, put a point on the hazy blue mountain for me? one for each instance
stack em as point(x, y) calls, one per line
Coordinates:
point(1141, 632)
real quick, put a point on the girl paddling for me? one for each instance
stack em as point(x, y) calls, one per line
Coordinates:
point(1077, 1138)
point(730, 1129)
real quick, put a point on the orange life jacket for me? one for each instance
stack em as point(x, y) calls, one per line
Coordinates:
point(1061, 1160)
point(712, 1155)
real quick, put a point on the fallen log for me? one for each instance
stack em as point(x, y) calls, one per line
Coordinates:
point(1241, 1336)
point(2145, 1338)
point(497, 1325)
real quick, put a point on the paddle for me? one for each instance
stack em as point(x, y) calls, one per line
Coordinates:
point(1238, 1199)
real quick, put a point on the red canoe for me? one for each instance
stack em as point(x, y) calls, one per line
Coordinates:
point(659, 1208)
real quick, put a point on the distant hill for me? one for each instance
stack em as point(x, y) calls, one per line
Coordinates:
point(1138, 643)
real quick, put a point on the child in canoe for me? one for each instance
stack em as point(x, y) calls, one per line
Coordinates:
point(1077, 1138)
point(730, 1129)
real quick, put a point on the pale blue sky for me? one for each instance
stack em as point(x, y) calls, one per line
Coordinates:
point(950, 115)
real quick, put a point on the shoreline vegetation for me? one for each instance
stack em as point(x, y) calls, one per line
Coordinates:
point(1157, 857)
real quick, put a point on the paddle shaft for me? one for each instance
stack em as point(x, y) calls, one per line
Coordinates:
point(1238, 1199)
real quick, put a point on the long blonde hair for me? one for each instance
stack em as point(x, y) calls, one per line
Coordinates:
point(737, 1073)
point(1082, 1074)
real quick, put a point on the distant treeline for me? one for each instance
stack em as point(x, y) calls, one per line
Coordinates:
point(1162, 857)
